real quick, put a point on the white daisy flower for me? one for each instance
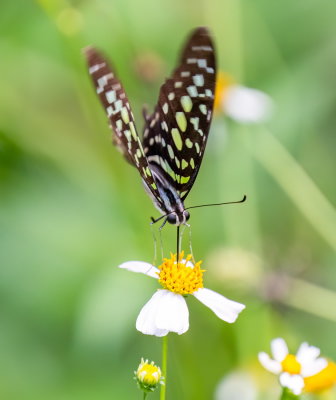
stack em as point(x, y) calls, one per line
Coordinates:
point(167, 310)
point(237, 385)
point(293, 369)
point(242, 104)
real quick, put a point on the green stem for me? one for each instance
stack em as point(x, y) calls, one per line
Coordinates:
point(295, 182)
point(164, 367)
point(288, 395)
point(144, 395)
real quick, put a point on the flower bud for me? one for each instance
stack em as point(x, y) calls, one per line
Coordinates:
point(148, 376)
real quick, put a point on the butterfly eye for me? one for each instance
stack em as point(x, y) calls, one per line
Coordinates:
point(172, 218)
point(186, 215)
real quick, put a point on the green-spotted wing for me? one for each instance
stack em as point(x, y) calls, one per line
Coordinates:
point(169, 156)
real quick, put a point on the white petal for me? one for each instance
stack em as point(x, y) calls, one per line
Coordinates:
point(174, 314)
point(146, 321)
point(293, 382)
point(308, 358)
point(247, 105)
point(164, 312)
point(307, 352)
point(313, 367)
point(279, 349)
point(188, 263)
point(141, 267)
point(225, 309)
point(268, 363)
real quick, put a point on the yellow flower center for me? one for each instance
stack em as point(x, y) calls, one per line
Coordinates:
point(149, 374)
point(181, 277)
point(323, 380)
point(291, 365)
point(223, 82)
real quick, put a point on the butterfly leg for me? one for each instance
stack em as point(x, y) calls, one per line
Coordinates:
point(190, 242)
point(163, 224)
point(154, 221)
point(155, 244)
point(161, 244)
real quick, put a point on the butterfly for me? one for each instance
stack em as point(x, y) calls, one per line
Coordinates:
point(169, 154)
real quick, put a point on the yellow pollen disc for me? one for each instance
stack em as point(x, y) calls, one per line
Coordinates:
point(181, 277)
point(323, 380)
point(224, 81)
point(291, 365)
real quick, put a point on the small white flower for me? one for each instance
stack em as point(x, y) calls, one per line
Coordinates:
point(293, 382)
point(292, 369)
point(242, 104)
point(247, 105)
point(167, 309)
point(237, 385)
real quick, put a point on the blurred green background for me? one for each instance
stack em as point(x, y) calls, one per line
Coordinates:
point(72, 209)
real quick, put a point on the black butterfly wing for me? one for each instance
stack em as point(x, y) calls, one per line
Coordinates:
point(114, 100)
point(176, 133)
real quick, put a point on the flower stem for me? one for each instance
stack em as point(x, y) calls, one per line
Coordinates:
point(144, 395)
point(164, 367)
point(288, 395)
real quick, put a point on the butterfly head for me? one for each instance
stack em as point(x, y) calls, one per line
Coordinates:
point(175, 218)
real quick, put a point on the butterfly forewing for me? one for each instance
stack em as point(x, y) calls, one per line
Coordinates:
point(175, 135)
point(119, 113)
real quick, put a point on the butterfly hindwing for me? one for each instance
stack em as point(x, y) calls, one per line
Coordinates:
point(175, 135)
point(119, 113)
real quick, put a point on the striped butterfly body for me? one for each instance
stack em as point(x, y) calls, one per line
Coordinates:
point(170, 153)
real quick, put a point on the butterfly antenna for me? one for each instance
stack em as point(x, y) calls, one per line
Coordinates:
point(154, 221)
point(219, 204)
